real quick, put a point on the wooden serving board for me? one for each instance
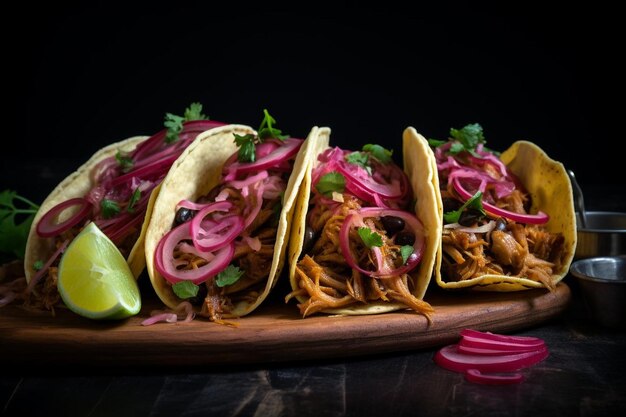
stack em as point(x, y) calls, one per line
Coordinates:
point(274, 332)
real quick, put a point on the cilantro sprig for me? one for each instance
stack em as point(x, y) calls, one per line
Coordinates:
point(247, 143)
point(381, 154)
point(465, 139)
point(228, 276)
point(174, 123)
point(109, 208)
point(475, 202)
point(16, 216)
point(406, 251)
point(369, 237)
point(331, 182)
point(185, 289)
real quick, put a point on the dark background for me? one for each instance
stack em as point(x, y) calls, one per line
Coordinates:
point(82, 76)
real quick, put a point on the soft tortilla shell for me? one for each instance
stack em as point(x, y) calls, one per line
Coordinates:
point(78, 184)
point(419, 162)
point(194, 174)
point(551, 192)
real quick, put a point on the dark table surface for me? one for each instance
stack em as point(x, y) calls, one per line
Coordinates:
point(584, 375)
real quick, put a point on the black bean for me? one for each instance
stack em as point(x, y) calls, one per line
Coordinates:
point(392, 224)
point(451, 204)
point(500, 224)
point(470, 217)
point(405, 238)
point(183, 215)
point(309, 238)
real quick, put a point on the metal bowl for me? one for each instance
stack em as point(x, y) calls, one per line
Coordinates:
point(604, 234)
point(602, 282)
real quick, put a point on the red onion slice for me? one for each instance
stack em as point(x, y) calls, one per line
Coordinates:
point(450, 358)
point(474, 375)
point(46, 226)
point(164, 258)
point(539, 218)
point(287, 149)
point(211, 241)
point(383, 271)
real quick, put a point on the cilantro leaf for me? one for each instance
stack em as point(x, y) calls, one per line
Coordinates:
point(333, 181)
point(247, 151)
point(381, 154)
point(133, 200)
point(436, 142)
point(174, 125)
point(369, 237)
point(361, 159)
point(475, 202)
point(37, 265)
point(267, 130)
point(228, 276)
point(124, 160)
point(406, 251)
point(185, 289)
point(470, 135)
point(16, 216)
point(109, 208)
point(194, 112)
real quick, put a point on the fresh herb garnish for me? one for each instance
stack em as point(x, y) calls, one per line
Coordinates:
point(133, 200)
point(124, 160)
point(228, 276)
point(37, 265)
point(475, 202)
point(194, 112)
point(246, 143)
point(381, 154)
point(246, 147)
point(406, 251)
point(369, 237)
point(267, 130)
point(14, 227)
point(465, 139)
point(361, 159)
point(109, 208)
point(331, 182)
point(174, 123)
point(185, 289)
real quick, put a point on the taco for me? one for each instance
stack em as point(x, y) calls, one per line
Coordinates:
point(508, 220)
point(365, 232)
point(113, 189)
point(217, 237)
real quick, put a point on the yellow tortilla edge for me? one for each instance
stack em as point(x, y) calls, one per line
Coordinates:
point(551, 191)
point(78, 184)
point(424, 184)
point(194, 174)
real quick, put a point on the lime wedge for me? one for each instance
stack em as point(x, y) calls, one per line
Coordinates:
point(94, 279)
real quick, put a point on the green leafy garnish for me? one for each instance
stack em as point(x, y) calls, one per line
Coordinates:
point(125, 162)
point(228, 276)
point(133, 200)
point(185, 289)
point(174, 123)
point(109, 208)
point(469, 136)
point(194, 112)
point(381, 154)
point(331, 182)
point(37, 265)
point(369, 237)
point(406, 251)
point(267, 130)
point(475, 202)
point(246, 147)
point(16, 217)
point(361, 159)
point(246, 143)
point(436, 142)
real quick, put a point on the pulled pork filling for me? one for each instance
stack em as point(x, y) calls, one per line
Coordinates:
point(503, 247)
point(326, 274)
